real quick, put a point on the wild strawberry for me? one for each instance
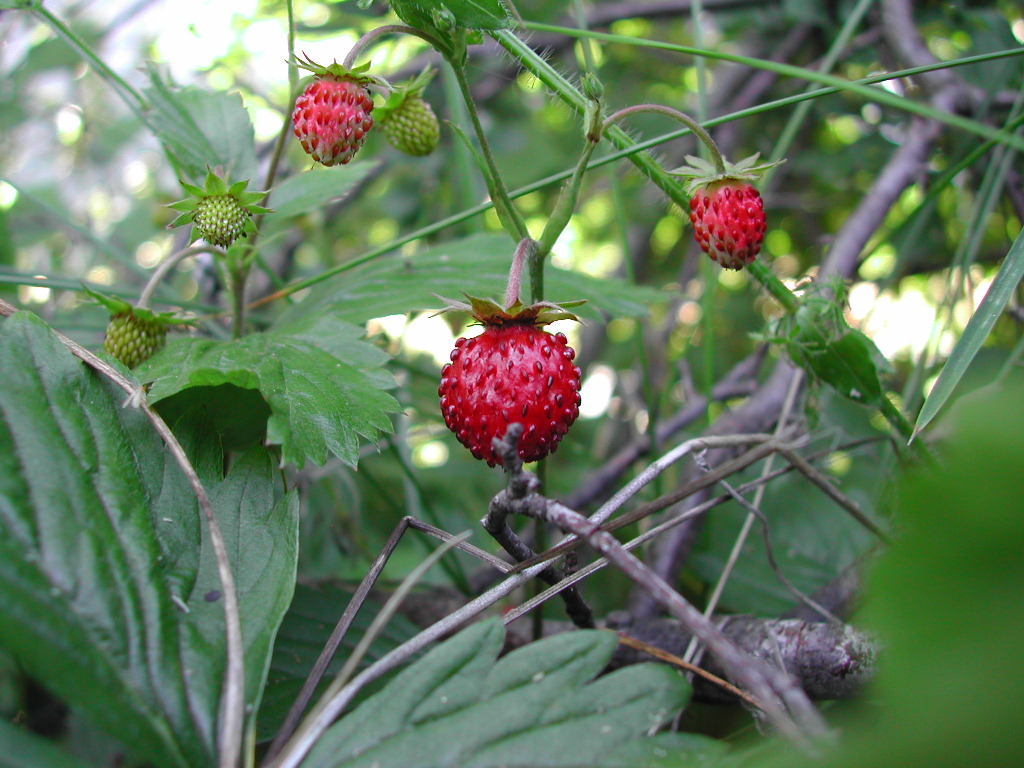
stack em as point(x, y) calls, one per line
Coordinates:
point(726, 210)
point(408, 121)
point(134, 334)
point(332, 115)
point(728, 222)
point(219, 213)
point(132, 338)
point(513, 372)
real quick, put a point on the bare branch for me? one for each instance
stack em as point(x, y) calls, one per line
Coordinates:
point(784, 704)
point(828, 661)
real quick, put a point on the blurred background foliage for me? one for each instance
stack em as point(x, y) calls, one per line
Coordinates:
point(84, 187)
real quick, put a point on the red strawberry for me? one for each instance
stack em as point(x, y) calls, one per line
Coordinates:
point(513, 372)
point(726, 210)
point(728, 221)
point(332, 116)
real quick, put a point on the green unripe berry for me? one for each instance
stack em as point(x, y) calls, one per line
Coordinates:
point(132, 339)
point(220, 219)
point(413, 127)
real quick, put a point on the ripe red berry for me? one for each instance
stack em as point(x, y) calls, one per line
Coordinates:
point(513, 372)
point(332, 117)
point(728, 221)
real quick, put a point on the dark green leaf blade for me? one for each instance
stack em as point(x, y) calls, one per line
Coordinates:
point(20, 748)
point(537, 696)
point(848, 365)
point(106, 583)
point(262, 542)
point(86, 607)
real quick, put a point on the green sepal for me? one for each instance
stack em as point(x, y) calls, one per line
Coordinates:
point(357, 74)
point(490, 312)
point(701, 172)
point(120, 306)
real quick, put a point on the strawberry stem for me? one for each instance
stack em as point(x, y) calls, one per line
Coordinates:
point(526, 250)
point(696, 128)
point(771, 283)
point(363, 42)
point(165, 266)
point(496, 187)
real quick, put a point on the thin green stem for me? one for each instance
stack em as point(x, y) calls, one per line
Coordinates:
point(375, 34)
point(764, 275)
point(499, 193)
point(237, 275)
point(166, 265)
point(559, 219)
point(466, 187)
point(695, 128)
point(581, 21)
point(696, 11)
point(879, 95)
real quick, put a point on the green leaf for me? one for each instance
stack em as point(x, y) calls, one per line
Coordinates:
point(20, 748)
point(670, 750)
point(819, 340)
point(477, 265)
point(202, 129)
point(977, 330)
point(106, 581)
point(317, 187)
point(262, 542)
point(534, 707)
point(848, 365)
point(322, 384)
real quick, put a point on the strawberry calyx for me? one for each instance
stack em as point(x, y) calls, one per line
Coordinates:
point(491, 313)
point(357, 74)
point(118, 306)
point(231, 201)
point(698, 172)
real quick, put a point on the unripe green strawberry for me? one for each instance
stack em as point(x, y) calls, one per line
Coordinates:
point(413, 127)
point(408, 121)
point(219, 213)
point(220, 219)
point(133, 339)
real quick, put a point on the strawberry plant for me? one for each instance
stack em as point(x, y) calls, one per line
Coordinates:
point(728, 461)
